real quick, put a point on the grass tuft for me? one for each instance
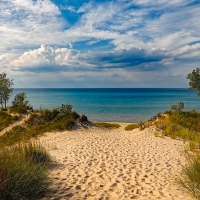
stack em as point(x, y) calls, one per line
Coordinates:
point(6, 119)
point(190, 177)
point(107, 125)
point(130, 127)
point(23, 171)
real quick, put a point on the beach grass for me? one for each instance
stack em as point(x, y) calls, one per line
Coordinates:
point(43, 121)
point(181, 125)
point(6, 119)
point(185, 125)
point(23, 171)
point(190, 176)
point(107, 125)
point(131, 127)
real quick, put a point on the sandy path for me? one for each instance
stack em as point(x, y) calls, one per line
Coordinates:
point(98, 164)
point(19, 122)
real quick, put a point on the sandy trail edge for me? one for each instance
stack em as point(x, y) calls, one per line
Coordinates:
point(19, 122)
point(99, 164)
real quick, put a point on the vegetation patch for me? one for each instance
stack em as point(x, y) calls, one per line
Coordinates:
point(130, 127)
point(107, 125)
point(23, 171)
point(181, 125)
point(189, 178)
point(6, 120)
point(58, 119)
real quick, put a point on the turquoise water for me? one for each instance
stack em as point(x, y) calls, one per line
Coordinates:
point(116, 105)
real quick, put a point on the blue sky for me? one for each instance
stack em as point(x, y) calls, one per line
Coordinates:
point(82, 43)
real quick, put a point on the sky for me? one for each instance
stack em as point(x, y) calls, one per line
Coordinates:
point(99, 43)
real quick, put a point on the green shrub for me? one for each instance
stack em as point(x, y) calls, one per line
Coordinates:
point(130, 127)
point(50, 114)
point(18, 109)
point(65, 109)
point(21, 177)
point(107, 125)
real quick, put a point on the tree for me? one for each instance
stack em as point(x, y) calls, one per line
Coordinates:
point(20, 100)
point(194, 78)
point(5, 89)
point(178, 107)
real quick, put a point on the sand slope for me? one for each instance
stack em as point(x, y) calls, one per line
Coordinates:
point(100, 164)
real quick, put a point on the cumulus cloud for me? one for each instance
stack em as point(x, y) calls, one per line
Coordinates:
point(46, 58)
point(137, 36)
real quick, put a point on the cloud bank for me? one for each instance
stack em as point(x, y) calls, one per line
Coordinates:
point(86, 41)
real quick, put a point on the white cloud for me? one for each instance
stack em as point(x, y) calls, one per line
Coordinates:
point(46, 56)
point(162, 2)
point(93, 42)
point(70, 8)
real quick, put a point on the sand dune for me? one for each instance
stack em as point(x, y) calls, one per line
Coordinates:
point(99, 164)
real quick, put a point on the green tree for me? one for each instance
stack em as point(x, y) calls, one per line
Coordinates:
point(5, 89)
point(20, 100)
point(194, 78)
point(178, 107)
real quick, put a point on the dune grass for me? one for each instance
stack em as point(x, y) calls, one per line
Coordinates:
point(182, 125)
point(185, 125)
point(6, 119)
point(18, 109)
point(43, 121)
point(190, 176)
point(106, 125)
point(131, 127)
point(23, 171)
point(24, 164)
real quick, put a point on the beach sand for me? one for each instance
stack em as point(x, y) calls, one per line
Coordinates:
point(93, 163)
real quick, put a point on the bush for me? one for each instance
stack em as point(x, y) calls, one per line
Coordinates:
point(18, 109)
point(20, 176)
point(65, 109)
point(50, 114)
point(130, 127)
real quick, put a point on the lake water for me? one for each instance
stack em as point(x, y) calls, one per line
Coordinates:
point(113, 105)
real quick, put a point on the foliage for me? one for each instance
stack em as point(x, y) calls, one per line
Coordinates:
point(20, 176)
point(35, 152)
point(178, 107)
point(39, 123)
point(20, 104)
point(6, 120)
point(190, 176)
point(5, 89)
point(130, 127)
point(107, 125)
point(18, 110)
point(20, 100)
point(185, 125)
point(194, 78)
point(65, 109)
